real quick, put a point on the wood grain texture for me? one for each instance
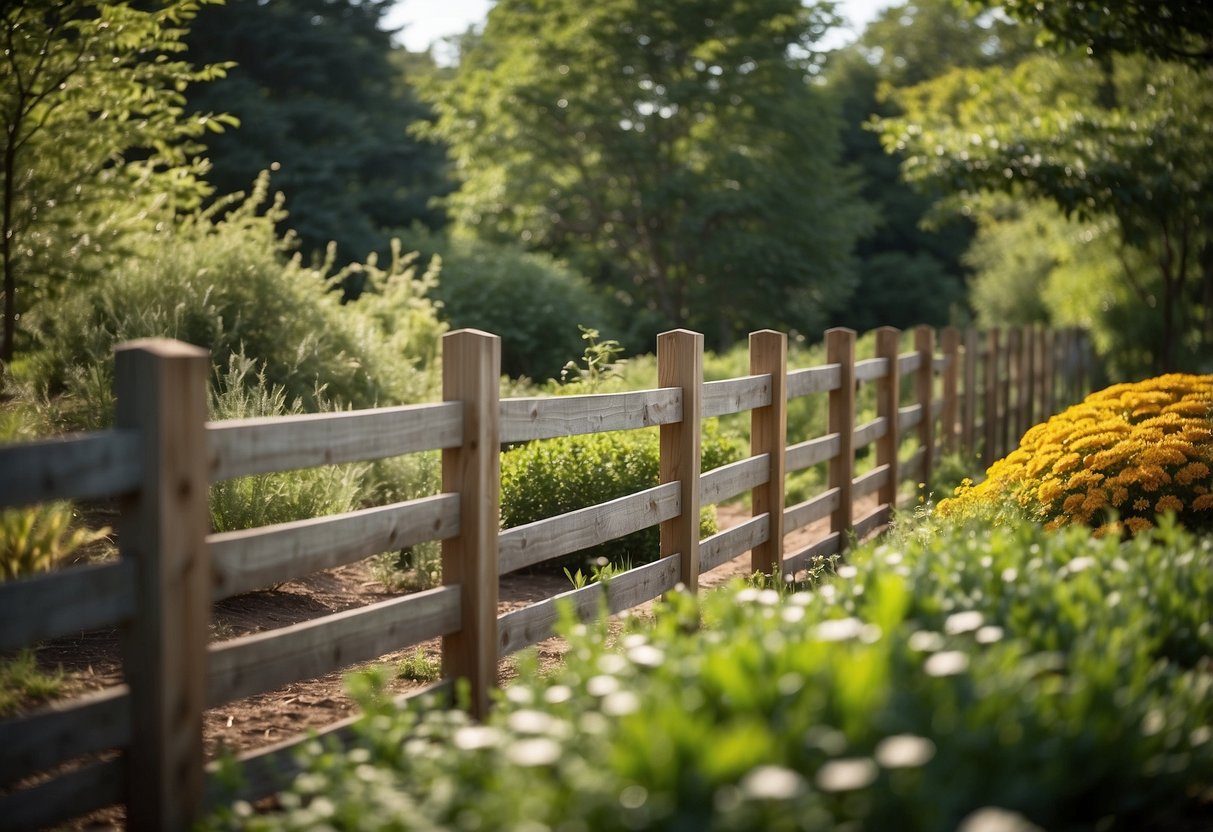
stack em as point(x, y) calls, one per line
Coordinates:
point(65, 730)
point(84, 467)
point(722, 547)
point(810, 380)
point(161, 390)
point(871, 369)
point(239, 447)
point(769, 437)
point(256, 558)
point(737, 395)
point(802, 514)
point(869, 432)
point(680, 364)
point(543, 540)
point(821, 449)
point(727, 481)
point(78, 792)
point(55, 604)
point(526, 419)
point(267, 660)
point(888, 404)
point(840, 349)
point(471, 374)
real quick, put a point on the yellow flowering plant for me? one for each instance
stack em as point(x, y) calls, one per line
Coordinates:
point(1116, 461)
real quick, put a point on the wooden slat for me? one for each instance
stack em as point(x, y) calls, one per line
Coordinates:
point(840, 419)
point(239, 447)
point(526, 419)
point(728, 481)
point(723, 546)
point(908, 362)
point(542, 540)
point(264, 661)
point(84, 467)
point(831, 544)
point(255, 558)
point(872, 520)
point(76, 793)
point(524, 627)
point(871, 481)
point(268, 770)
point(869, 432)
point(909, 416)
point(769, 436)
point(94, 722)
point(804, 454)
point(871, 369)
point(802, 514)
point(924, 388)
point(821, 379)
point(81, 598)
point(888, 397)
point(736, 395)
point(680, 364)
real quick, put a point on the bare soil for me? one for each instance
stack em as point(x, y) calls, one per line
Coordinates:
point(91, 661)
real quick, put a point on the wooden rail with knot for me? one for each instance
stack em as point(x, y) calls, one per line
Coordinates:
point(140, 743)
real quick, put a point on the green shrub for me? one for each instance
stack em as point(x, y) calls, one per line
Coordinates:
point(533, 302)
point(1014, 676)
point(555, 476)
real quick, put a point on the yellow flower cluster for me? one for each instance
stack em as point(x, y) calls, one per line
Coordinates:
point(1115, 461)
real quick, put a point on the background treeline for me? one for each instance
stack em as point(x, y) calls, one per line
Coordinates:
point(628, 166)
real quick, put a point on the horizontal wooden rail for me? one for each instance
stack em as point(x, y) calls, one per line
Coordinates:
point(722, 547)
point(80, 791)
point(908, 417)
point(264, 661)
point(90, 466)
point(871, 481)
point(94, 722)
point(727, 481)
point(533, 543)
point(817, 508)
point(908, 362)
point(871, 369)
point(736, 395)
point(524, 627)
point(875, 518)
point(822, 449)
point(869, 432)
point(526, 419)
point(56, 604)
point(821, 379)
point(831, 544)
point(256, 558)
point(238, 447)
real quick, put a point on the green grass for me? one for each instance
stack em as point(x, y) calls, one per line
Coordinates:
point(22, 682)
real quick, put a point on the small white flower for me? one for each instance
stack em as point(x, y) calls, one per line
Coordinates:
point(772, 783)
point(535, 751)
point(963, 622)
point(847, 774)
point(904, 751)
point(947, 663)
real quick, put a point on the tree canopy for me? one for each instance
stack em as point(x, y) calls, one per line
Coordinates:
point(680, 152)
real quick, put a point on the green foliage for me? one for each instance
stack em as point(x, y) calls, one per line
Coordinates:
point(226, 285)
point(94, 140)
point(419, 667)
point(267, 499)
point(994, 680)
point(325, 100)
point(22, 682)
point(555, 476)
point(662, 150)
point(38, 538)
point(532, 302)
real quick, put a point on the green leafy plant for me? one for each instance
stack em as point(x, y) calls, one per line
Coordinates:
point(599, 362)
point(418, 666)
point(38, 538)
point(22, 682)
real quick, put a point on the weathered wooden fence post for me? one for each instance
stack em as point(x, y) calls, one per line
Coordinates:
point(949, 420)
point(161, 389)
point(471, 374)
point(1027, 384)
point(888, 401)
point(968, 433)
point(769, 435)
point(840, 350)
point(989, 451)
point(680, 364)
point(924, 383)
point(1015, 376)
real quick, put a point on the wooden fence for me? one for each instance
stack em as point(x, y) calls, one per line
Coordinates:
point(140, 743)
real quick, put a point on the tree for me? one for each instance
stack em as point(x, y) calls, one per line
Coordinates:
point(324, 99)
point(678, 152)
point(1135, 145)
point(93, 135)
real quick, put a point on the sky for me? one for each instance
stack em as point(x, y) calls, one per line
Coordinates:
point(427, 21)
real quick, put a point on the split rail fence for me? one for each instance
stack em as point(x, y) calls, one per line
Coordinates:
point(140, 743)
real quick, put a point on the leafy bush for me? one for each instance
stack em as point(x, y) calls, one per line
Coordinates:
point(1131, 451)
point(533, 302)
point(543, 479)
point(38, 538)
point(1019, 676)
